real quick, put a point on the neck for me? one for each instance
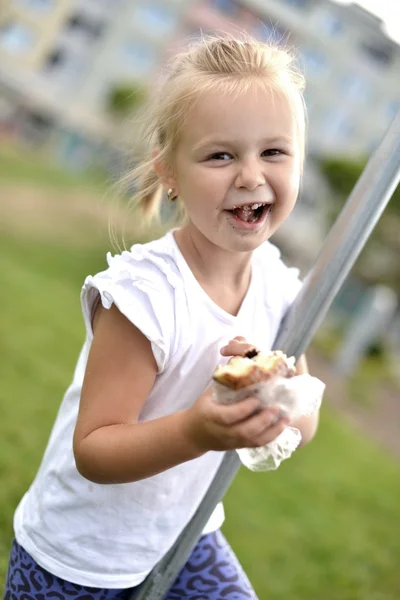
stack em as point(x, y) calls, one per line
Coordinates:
point(211, 264)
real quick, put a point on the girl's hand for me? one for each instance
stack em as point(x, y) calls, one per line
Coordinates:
point(306, 424)
point(212, 426)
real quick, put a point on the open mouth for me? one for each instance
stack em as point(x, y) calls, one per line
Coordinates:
point(251, 213)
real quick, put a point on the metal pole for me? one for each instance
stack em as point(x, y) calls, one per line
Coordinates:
point(340, 251)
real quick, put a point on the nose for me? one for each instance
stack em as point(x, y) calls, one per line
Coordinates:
point(250, 175)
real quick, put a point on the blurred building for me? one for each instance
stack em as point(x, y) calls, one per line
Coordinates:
point(351, 65)
point(352, 92)
point(61, 59)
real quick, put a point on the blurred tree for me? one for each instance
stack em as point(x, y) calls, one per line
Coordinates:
point(125, 98)
point(124, 101)
point(342, 174)
point(379, 262)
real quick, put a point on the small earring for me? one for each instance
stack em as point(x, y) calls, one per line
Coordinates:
point(170, 195)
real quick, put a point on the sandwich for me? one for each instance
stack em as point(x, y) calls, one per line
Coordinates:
point(255, 367)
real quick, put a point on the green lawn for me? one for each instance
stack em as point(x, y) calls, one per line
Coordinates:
point(19, 166)
point(325, 526)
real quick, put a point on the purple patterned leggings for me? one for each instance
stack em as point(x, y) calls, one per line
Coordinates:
point(212, 573)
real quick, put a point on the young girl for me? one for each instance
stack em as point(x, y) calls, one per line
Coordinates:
point(139, 438)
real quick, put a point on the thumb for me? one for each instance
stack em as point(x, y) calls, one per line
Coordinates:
point(239, 346)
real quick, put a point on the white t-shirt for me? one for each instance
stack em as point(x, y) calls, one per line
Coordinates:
point(111, 536)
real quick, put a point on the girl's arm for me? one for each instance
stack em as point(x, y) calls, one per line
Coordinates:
point(110, 446)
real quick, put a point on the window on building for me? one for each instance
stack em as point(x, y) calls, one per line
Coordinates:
point(270, 33)
point(297, 3)
point(329, 23)
point(141, 58)
point(337, 125)
point(356, 88)
point(64, 67)
point(16, 38)
point(314, 62)
point(391, 109)
point(36, 128)
point(55, 59)
point(154, 18)
point(228, 7)
point(377, 53)
point(39, 6)
point(81, 23)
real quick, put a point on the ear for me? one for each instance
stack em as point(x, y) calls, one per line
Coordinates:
point(164, 172)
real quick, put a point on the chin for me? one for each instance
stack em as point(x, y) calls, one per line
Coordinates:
point(246, 243)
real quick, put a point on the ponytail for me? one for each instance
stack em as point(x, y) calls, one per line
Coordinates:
point(150, 192)
point(148, 189)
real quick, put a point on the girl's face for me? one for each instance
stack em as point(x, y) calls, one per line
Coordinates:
point(237, 167)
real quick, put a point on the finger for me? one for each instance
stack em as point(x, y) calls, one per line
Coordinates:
point(228, 415)
point(257, 424)
point(269, 434)
point(237, 348)
point(280, 415)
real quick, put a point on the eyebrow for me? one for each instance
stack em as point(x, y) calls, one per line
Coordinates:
point(232, 142)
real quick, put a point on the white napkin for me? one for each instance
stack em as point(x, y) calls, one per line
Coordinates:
point(296, 396)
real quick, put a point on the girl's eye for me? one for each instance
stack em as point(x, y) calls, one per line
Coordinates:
point(220, 156)
point(272, 152)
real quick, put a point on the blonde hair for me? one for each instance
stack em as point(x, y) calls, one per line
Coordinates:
point(225, 64)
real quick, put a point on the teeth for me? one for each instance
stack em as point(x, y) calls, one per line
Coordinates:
point(248, 207)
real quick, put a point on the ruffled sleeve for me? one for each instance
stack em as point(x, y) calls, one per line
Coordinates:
point(143, 289)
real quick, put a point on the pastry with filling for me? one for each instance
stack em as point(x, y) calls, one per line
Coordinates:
point(255, 367)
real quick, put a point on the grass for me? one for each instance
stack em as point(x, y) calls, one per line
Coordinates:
point(322, 526)
point(41, 331)
point(373, 372)
point(19, 166)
